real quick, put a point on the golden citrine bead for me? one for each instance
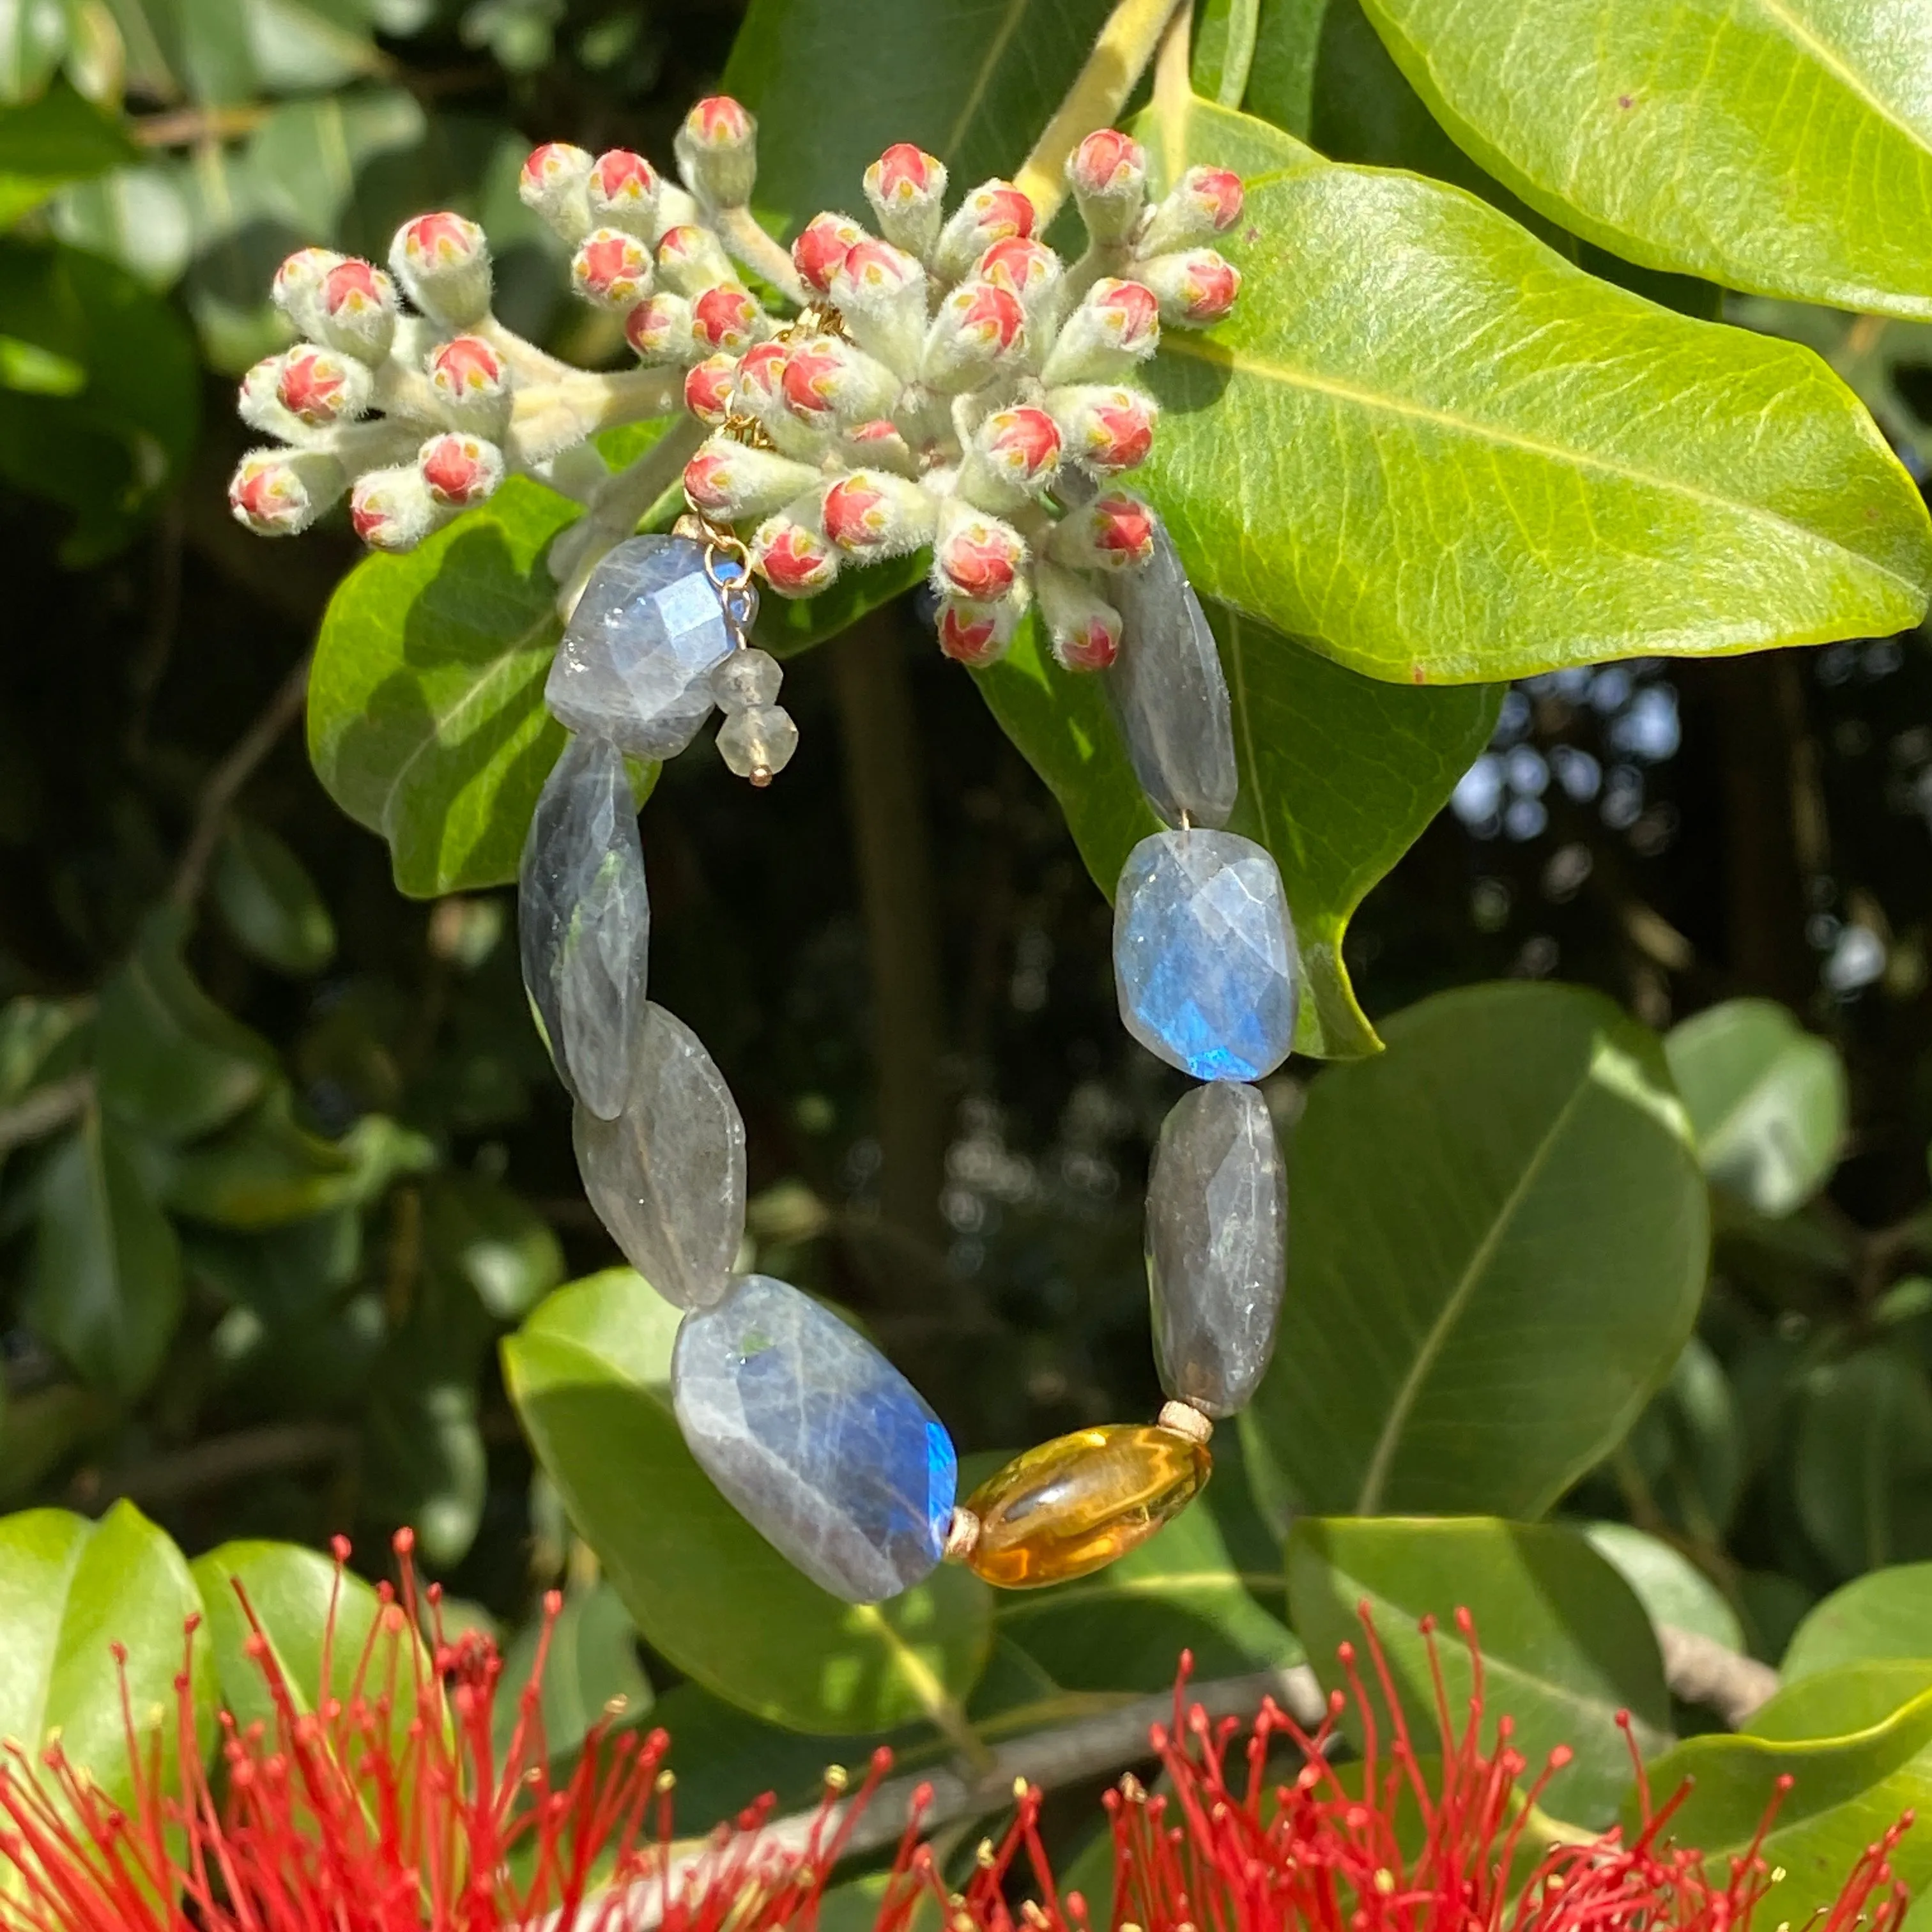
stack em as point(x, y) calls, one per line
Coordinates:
point(1073, 1505)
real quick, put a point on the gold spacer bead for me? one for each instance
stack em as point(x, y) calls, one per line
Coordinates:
point(760, 776)
point(962, 1536)
point(1184, 1419)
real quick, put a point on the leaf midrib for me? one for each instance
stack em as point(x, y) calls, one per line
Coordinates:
point(77, 1549)
point(1200, 349)
point(1375, 1478)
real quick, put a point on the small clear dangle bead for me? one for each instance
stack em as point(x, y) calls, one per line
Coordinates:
point(747, 678)
point(758, 742)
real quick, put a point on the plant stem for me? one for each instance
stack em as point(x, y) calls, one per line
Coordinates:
point(746, 242)
point(621, 502)
point(221, 1460)
point(1120, 55)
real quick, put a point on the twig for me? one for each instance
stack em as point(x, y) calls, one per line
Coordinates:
point(225, 782)
point(41, 1112)
point(207, 1465)
point(621, 502)
point(1120, 55)
point(745, 240)
point(1700, 1670)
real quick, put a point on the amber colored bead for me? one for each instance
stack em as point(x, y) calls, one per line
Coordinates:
point(1073, 1505)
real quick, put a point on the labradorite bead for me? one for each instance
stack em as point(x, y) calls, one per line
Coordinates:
point(1074, 1504)
point(1217, 1246)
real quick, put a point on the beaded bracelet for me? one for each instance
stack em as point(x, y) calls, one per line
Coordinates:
point(805, 1426)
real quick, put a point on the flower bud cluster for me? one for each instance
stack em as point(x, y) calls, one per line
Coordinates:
point(950, 382)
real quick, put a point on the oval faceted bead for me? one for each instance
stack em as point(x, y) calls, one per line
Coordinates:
point(1169, 692)
point(667, 1177)
point(637, 657)
point(1203, 954)
point(819, 1442)
point(1074, 1504)
point(583, 922)
point(1217, 1246)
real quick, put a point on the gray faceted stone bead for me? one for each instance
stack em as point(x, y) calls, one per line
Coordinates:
point(1217, 1246)
point(583, 922)
point(817, 1440)
point(637, 657)
point(667, 1177)
point(1169, 693)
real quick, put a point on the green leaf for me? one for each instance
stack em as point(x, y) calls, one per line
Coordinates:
point(1864, 1481)
point(1845, 1792)
point(1887, 1614)
point(426, 719)
point(1565, 1643)
point(423, 1452)
point(1671, 1588)
point(1847, 1698)
point(1766, 1098)
point(971, 84)
point(591, 1675)
point(1689, 1445)
point(173, 1064)
point(264, 895)
point(589, 1372)
point(104, 1286)
point(33, 36)
point(1339, 775)
point(787, 626)
point(1624, 479)
point(1499, 1244)
point(1672, 131)
point(69, 1589)
point(59, 137)
point(501, 1248)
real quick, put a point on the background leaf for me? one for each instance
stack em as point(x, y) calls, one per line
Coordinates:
point(1671, 1588)
point(1886, 1614)
point(58, 138)
point(1565, 1643)
point(1499, 1245)
point(1864, 1482)
point(269, 902)
point(589, 1372)
point(591, 1674)
point(1576, 406)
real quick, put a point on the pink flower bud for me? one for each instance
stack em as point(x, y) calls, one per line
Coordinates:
point(1108, 176)
point(718, 153)
point(978, 328)
point(1116, 325)
point(726, 318)
point(260, 407)
point(352, 309)
point(1030, 270)
point(622, 192)
point(977, 555)
point(974, 634)
point(828, 382)
point(611, 268)
point(659, 329)
point(1083, 628)
point(789, 550)
point(1105, 430)
point(1194, 288)
point(761, 379)
point(471, 385)
point(395, 509)
point(994, 211)
point(1115, 531)
point(460, 469)
point(822, 243)
point(1206, 203)
point(708, 387)
point(443, 261)
point(872, 514)
point(321, 387)
point(554, 184)
point(906, 188)
point(276, 492)
point(1013, 456)
point(691, 259)
point(734, 482)
point(880, 445)
point(881, 291)
point(300, 275)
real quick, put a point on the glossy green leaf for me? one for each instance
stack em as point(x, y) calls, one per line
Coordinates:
point(1767, 1100)
point(1499, 1244)
point(1689, 1445)
point(69, 1589)
point(970, 83)
point(1602, 468)
point(33, 36)
point(267, 899)
point(591, 1674)
point(1784, 147)
point(58, 138)
point(1671, 1588)
point(501, 1248)
point(104, 1286)
point(1339, 774)
point(1887, 1614)
point(426, 719)
point(589, 1374)
point(1864, 1481)
point(1846, 1698)
point(1846, 1792)
point(424, 1459)
point(1565, 1642)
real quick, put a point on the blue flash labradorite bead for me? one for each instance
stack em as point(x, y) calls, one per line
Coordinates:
point(817, 1440)
point(1203, 954)
point(637, 657)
